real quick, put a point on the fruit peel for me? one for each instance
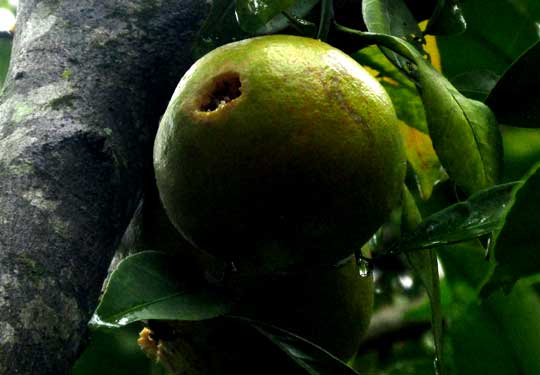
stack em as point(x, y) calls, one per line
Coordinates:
point(306, 161)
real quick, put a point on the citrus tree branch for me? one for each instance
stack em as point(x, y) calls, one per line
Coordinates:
point(87, 83)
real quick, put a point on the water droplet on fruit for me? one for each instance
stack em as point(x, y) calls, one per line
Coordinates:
point(364, 268)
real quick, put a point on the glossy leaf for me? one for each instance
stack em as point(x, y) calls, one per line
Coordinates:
point(310, 357)
point(303, 27)
point(402, 91)
point(254, 14)
point(153, 285)
point(447, 19)
point(270, 16)
point(464, 132)
point(222, 24)
point(498, 32)
point(425, 265)
point(220, 27)
point(517, 244)
point(410, 110)
point(475, 84)
point(299, 9)
point(501, 335)
point(481, 214)
point(514, 99)
point(392, 17)
point(389, 17)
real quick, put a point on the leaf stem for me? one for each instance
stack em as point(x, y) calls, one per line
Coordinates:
point(304, 27)
point(327, 16)
point(399, 46)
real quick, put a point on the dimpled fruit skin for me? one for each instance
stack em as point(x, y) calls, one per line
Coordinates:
point(305, 164)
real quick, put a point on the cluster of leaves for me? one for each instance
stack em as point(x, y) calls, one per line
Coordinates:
point(452, 93)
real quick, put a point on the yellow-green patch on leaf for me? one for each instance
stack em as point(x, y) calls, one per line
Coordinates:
point(422, 159)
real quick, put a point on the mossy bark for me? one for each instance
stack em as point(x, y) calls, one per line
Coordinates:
point(87, 83)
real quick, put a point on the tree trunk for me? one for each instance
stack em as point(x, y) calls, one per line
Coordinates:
point(87, 83)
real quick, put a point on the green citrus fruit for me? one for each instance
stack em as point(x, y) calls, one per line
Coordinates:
point(151, 229)
point(277, 150)
point(329, 307)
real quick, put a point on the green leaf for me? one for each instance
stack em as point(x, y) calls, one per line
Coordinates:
point(410, 110)
point(254, 14)
point(310, 357)
point(514, 99)
point(481, 214)
point(464, 132)
point(392, 17)
point(498, 32)
point(222, 24)
point(266, 16)
point(219, 28)
point(465, 268)
point(402, 91)
point(517, 243)
point(299, 9)
point(302, 26)
point(447, 19)
point(501, 336)
point(154, 285)
point(475, 84)
point(425, 265)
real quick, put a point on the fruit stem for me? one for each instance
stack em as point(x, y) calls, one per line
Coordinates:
point(397, 45)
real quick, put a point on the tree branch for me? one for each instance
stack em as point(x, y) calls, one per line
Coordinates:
point(87, 83)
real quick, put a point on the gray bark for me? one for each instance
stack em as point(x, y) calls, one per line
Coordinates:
point(87, 83)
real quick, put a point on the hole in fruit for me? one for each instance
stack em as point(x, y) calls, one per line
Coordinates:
point(224, 89)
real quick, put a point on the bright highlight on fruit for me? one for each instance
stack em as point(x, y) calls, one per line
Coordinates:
point(279, 151)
